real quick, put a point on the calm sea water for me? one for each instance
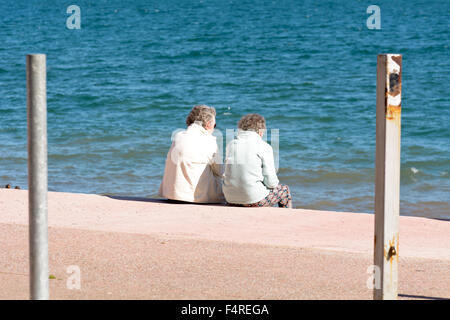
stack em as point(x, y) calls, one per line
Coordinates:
point(120, 85)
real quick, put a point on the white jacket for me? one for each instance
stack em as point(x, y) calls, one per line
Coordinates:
point(249, 169)
point(192, 172)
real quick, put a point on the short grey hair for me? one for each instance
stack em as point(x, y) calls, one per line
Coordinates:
point(252, 122)
point(201, 114)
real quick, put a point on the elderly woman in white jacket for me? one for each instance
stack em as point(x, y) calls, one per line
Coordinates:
point(250, 177)
point(193, 172)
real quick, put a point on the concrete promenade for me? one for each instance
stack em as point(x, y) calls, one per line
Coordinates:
point(136, 248)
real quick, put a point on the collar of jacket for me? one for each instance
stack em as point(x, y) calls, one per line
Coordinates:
point(245, 134)
point(198, 128)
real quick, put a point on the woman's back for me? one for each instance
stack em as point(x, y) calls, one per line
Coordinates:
point(249, 169)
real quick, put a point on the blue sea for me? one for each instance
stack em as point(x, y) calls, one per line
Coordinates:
point(121, 84)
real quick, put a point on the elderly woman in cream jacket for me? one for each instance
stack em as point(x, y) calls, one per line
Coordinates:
point(250, 177)
point(193, 171)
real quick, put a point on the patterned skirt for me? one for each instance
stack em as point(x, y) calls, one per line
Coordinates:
point(280, 195)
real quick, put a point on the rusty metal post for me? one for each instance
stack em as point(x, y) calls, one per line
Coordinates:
point(387, 174)
point(37, 175)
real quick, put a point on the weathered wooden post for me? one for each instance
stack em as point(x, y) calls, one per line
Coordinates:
point(387, 174)
point(37, 175)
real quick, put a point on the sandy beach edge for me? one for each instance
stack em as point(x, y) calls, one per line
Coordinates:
point(340, 231)
point(224, 241)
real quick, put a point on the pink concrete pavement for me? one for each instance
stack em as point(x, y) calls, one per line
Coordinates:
point(143, 249)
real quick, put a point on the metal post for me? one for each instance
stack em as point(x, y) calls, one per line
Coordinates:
point(37, 175)
point(387, 174)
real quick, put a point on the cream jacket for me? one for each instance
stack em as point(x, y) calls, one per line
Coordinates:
point(192, 172)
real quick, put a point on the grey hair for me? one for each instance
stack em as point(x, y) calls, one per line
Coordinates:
point(201, 114)
point(252, 122)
